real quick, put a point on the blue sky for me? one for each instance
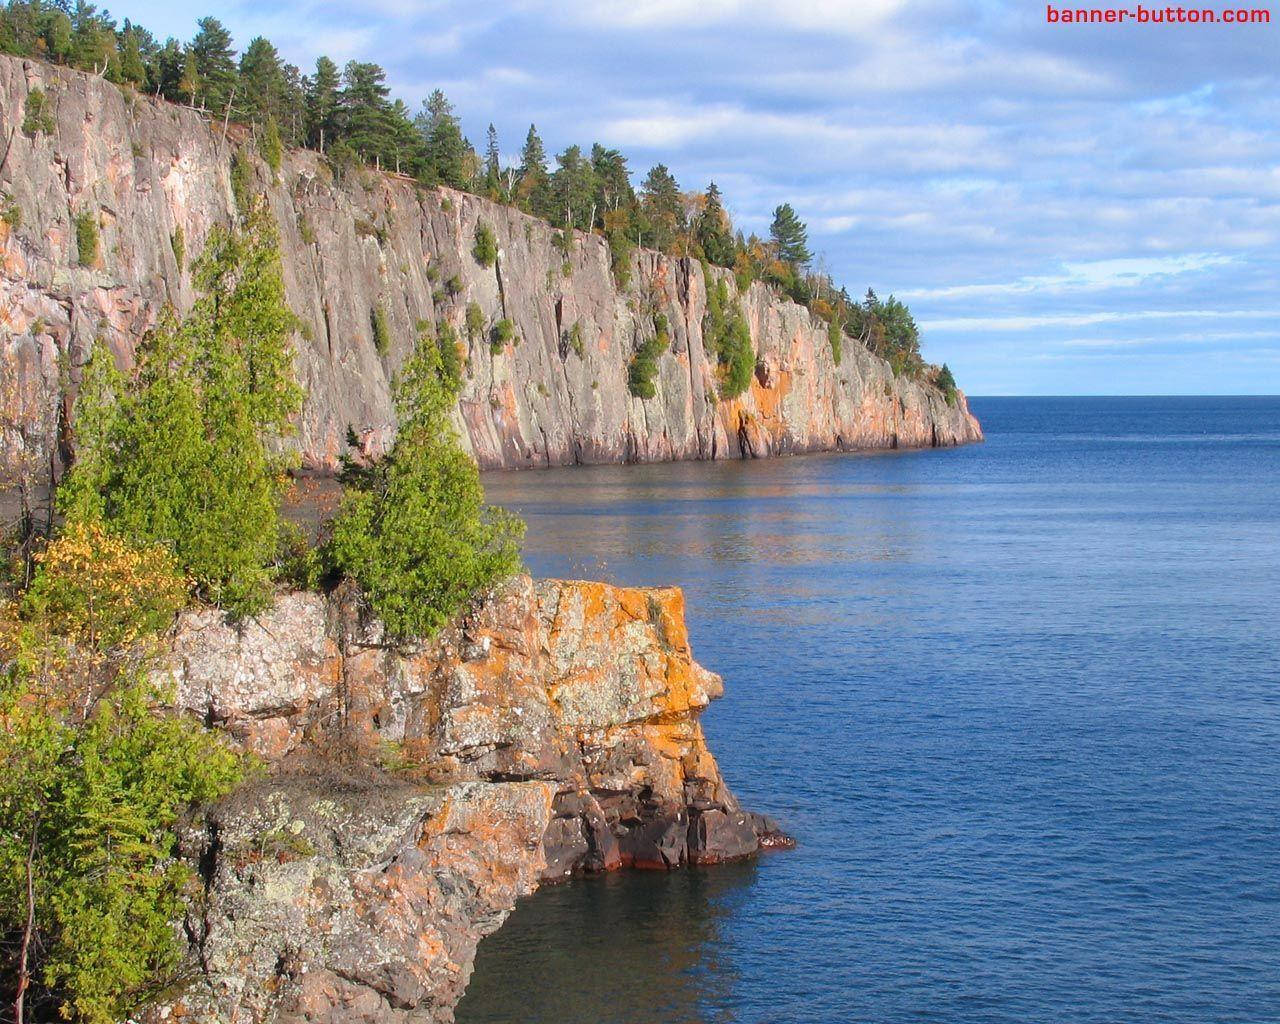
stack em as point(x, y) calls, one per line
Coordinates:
point(1083, 209)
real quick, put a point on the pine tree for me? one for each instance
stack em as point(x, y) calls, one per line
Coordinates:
point(446, 149)
point(133, 70)
point(572, 190)
point(661, 207)
point(414, 531)
point(322, 104)
point(180, 454)
point(533, 187)
point(214, 63)
point(713, 230)
point(262, 81)
point(790, 237)
point(366, 123)
point(492, 164)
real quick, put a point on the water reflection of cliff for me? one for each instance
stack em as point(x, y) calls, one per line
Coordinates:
point(619, 949)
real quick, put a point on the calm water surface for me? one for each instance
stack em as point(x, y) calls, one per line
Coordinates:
point(1019, 702)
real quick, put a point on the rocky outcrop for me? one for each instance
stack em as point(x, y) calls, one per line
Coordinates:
point(156, 179)
point(411, 796)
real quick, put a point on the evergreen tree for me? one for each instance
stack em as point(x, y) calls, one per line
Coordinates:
point(790, 237)
point(323, 100)
point(533, 188)
point(366, 121)
point(263, 82)
point(446, 149)
point(612, 180)
point(661, 207)
point(180, 455)
point(215, 64)
point(492, 166)
point(413, 530)
point(133, 69)
point(713, 230)
point(573, 190)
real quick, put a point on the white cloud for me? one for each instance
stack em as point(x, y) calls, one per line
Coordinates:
point(1092, 276)
point(1036, 321)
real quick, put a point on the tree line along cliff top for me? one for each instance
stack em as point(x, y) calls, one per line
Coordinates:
point(350, 117)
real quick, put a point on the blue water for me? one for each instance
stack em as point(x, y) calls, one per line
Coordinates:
point(1019, 702)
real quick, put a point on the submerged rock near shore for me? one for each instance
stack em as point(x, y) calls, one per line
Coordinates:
point(367, 258)
point(411, 796)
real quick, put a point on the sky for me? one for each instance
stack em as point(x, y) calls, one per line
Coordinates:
point(1067, 209)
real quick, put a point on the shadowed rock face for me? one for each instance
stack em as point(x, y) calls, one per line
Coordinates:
point(413, 795)
point(151, 172)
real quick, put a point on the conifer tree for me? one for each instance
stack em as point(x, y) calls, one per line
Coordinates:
point(215, 64)
point(661, 207)
point(790, 237)
point(445, 148)
point(713, 230)
point(413, 530)
point(533, 187)
point(322, 104)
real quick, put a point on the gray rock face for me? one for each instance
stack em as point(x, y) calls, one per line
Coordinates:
point(412, 796)
point(150, 172)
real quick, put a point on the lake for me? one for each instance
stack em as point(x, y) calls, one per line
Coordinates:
point(1018, 702)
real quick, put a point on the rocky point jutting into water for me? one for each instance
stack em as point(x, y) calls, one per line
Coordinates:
point(369, 257)
point(412, 795)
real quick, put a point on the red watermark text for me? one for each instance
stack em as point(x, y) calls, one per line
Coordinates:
point(1143, 15)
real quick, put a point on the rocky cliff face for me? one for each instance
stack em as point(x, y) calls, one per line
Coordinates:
point(411, 796)
point(156, 178)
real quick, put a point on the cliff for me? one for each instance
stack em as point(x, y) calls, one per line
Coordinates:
point(411, 796)
point(156, 178)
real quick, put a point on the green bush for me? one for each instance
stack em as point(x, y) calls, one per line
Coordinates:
point(94, 779)
point(620, 249)
point(836, 337)
point(644, 364)
point(381, 332)
point(39, 118)
point(503, 331)
point(180, 452)
point(946, 383)
point(178, 240)
point(725, 332)
point(450, 358)
point(475, 320)
point(414, 531)
point(87, 238)
point(241, 182)
point(454, 285)
point(10, 211)
point(272, 147)
point(576, 342)
point(486, 248)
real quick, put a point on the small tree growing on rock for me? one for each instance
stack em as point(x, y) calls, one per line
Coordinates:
point(414, 531)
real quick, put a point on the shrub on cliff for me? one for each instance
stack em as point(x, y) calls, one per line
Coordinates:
point(94, 776)
point(381, 330)
point(946, 383)
point(486, 248)
point(177, 453)
point(725, 332)
point(414, 531)
point(86, 238)
point(38, 119)
point(644, 364)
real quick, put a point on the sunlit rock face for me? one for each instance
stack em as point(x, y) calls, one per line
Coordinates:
point(154, 175)
point(411, 795)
